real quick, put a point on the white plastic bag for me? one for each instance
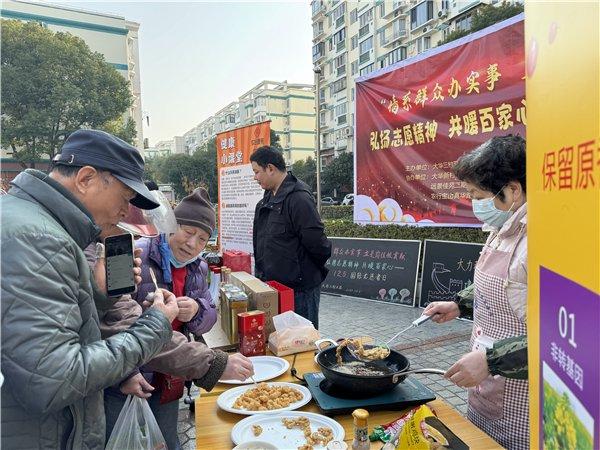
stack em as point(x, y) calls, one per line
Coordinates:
point(136, 428)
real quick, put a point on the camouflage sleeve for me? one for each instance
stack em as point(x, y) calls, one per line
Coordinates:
point(464, 300)
point(508, 358)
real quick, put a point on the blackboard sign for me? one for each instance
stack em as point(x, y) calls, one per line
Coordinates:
point(377, 269)
point(448, 268)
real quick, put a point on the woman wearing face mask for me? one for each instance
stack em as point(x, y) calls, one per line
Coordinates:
point(495, 371)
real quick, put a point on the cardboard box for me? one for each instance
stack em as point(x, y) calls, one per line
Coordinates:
point(230, 308)
point(286, 296)
point(251, 328)
point(261, 296)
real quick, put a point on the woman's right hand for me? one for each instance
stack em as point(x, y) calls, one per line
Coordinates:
point(442, 311)
point(238, 368)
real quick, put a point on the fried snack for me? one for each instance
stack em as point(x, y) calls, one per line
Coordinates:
point(257, 430)
point(266, 398)
point(320, 437)
point(371, 353)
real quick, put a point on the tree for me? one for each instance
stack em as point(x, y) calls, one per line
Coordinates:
point(52, 85)
point(275, 141)
point(485, 16)
point(123, 129)
point(187, 172)
point(307, 172)
point(339, 175)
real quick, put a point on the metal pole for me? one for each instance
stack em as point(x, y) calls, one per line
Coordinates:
point(317, 71)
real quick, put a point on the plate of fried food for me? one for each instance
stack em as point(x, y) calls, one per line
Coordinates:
point(264, 398)
point(289, 430)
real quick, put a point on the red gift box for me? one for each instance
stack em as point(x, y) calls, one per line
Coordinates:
point(286, 296)
point(237, 261)
point(251, 329)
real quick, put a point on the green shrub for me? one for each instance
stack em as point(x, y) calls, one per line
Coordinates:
point(345, 228)
point(337, 212)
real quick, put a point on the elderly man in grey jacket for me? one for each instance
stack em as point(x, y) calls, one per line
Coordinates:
point(53, 358)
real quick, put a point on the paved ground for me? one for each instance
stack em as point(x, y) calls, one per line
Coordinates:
point(430, 345)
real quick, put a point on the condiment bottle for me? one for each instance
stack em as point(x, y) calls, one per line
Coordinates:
point(361, 430)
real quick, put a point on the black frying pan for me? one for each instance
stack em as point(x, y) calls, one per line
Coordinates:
point(396, 366)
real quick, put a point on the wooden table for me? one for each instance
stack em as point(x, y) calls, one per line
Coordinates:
point(213, 425)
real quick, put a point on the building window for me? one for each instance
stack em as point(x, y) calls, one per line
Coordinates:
point(318, 50)
point(354, 42)
point(316, 7)
point(366, 17)
point(381, 36)
point(339, 39)
point(330, 42)
point(352, 94)
point(367, 69)
point(322, 117)
point(421, 14)
point(353, 16)
point(423, 44)
point(354, 66)
point(365, 50)
point(338, 86)
point(382, 9)
point(463, 24)
point(396, 55)
point(340, 64)
point(322, 95)
point(340, 113)
point(339, 11)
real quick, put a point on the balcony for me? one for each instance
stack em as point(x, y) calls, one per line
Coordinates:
point(396, 9)
point(340, 46)
point(318, 33)
point(318, 57)
point(318, 10)
point(340, 21)
point(341, 70)
point(396, 36)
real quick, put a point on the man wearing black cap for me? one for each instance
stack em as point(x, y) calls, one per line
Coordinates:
point(53, 359)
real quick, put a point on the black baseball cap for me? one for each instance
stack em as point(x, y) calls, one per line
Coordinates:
point(104, 151)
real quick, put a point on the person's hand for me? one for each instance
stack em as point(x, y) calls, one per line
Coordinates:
point(188, 307)
point(442, 311)
point(137, 266)
point(138, 386)
point(165, 302)
point(238, 368)
point(469, 371)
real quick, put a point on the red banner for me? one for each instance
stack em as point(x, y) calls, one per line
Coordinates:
point(415, 119)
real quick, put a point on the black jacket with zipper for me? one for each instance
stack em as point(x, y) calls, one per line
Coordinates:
point(290, 245)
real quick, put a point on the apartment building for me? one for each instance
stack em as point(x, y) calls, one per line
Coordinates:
point(355, 38)
point(166, 148)
point(113, 36)
point(289, 107)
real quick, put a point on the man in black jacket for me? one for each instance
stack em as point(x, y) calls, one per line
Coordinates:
point(290, 245)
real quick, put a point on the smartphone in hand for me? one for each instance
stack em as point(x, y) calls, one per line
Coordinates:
point(119, 264)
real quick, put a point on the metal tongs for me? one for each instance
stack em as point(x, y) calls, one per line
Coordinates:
point(354, 351)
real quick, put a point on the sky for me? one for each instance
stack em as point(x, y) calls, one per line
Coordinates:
point(197, 57)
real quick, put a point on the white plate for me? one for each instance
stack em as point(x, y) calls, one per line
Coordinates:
point(228, 398)
point(274, 432)
point(265, 368)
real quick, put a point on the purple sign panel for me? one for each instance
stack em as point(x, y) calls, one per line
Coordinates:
point(570, 364)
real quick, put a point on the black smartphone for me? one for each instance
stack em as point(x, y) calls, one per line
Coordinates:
point(119, 264)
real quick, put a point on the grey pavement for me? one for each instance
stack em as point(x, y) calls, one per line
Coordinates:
point(430, 345)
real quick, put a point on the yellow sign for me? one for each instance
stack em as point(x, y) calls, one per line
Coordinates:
point(562, 44)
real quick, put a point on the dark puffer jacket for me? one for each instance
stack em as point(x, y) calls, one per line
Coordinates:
point(290, 245)
point(53, 358)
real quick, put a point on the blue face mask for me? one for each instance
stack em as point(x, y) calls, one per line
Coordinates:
point(177, 264)
point(485, 210)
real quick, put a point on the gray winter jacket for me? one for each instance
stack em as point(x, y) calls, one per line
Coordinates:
point(53, 359)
